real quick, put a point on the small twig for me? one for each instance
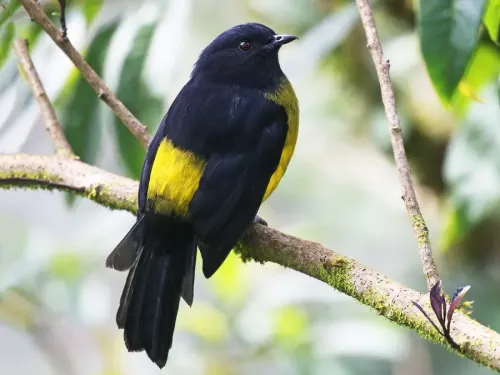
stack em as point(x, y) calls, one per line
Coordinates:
point(105, 94)
point(49, 117)
point(409, 197)
point(62, 19)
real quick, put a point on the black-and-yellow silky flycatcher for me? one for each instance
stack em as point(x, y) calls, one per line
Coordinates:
point(219, 152)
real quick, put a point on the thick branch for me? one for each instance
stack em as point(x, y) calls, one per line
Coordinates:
point(391, 299)
point(49, 117)
point(382, 66)
point(37, 14)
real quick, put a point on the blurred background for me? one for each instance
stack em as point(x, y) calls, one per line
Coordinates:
point(58, 301)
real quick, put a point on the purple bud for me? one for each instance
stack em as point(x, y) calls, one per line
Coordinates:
point(455, 301)
point(438, 303)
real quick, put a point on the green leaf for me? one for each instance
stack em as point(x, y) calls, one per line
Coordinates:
point(30, 32)
point(492, 20)
point(8, 11)
point(91, 10)
point(448, 31)
point(6, 42)
point(137, 97)
point(483, 69)
point(80, 109)
point(455, 228)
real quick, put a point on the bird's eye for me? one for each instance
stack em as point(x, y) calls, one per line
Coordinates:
point(244, 46)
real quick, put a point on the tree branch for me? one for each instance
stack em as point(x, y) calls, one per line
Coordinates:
point(37, 14)
point(262, 244)
point(409, 197)
point(49, 117)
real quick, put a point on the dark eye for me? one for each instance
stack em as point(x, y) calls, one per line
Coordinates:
point(244, 46)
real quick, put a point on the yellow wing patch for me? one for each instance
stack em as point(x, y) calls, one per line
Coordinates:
point(285, 96)
point(174, 179)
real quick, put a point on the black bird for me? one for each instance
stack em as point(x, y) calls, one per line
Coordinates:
point(219, 152)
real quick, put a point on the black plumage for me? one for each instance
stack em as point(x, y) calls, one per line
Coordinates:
point(205, 174)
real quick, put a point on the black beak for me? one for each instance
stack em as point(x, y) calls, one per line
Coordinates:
point(280, 39)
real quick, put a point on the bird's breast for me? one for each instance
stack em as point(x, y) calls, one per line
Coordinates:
point(285, 97)
point(174, 179)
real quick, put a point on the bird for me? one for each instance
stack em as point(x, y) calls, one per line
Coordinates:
point(218, 154)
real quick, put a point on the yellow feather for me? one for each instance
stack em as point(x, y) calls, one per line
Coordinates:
point(285, 96)
point(174, 179)
point(176, 173)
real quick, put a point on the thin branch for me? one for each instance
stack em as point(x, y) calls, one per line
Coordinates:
point(62, 19)
point(49, 117)
point(409, 197)
point(37, 14)
point(389, 298)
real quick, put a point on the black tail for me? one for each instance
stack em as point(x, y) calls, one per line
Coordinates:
point(162, 272)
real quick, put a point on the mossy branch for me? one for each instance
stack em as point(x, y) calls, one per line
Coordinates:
point(262, 244)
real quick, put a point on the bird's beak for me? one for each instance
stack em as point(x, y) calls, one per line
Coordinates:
point(281, 39)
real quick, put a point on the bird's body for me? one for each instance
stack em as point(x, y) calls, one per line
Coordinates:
point(220, 151)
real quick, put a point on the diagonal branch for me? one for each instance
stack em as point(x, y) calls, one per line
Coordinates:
point(49, 117)
point(37, 14)
point(408, 192)
point(389, 298)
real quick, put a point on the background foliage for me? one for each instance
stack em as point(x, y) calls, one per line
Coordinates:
point(57, 301)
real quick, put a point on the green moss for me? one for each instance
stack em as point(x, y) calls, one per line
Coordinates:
point(40, 177)
point(103, 195)
point(42, 180)
point(336, 272)
point(242, 249)
point(418, 222)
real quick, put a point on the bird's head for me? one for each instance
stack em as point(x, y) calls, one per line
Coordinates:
point(245, 55)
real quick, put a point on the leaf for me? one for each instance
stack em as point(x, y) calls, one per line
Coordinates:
point(455, 301)
point(7, 11)
point(455, 228)
point(492, 20)
point(31, 33)
point(5, 43)
point(137, 97)
point(79, 113)
point(448, 31)
point(91, 10)
point(483, 69)
point(468, 91)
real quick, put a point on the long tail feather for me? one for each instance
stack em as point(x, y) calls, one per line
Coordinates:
point(162, 272)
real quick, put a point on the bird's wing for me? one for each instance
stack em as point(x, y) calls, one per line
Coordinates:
point(232, 188)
